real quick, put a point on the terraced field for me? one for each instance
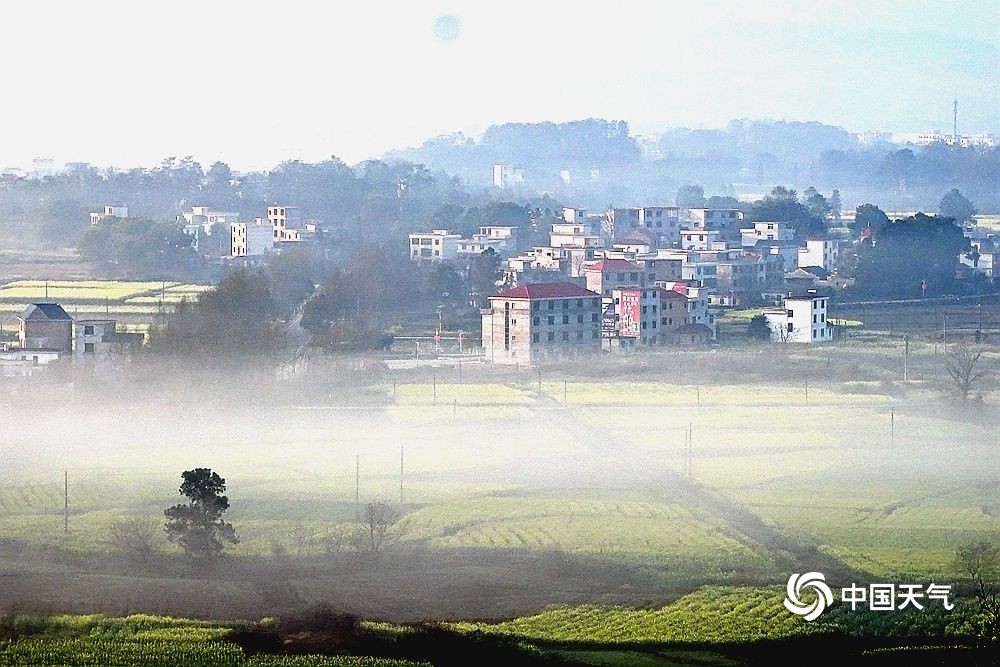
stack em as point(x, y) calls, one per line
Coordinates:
point(136, 301)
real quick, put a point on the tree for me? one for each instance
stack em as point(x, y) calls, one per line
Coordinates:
point(965, 368)
point(445, 282)
point(483, 272)
point(835, 204)
point(690, 196)
point(816, 203)
point(197, 526)
point(758, 328)
point(134, 539)
point(375, 533)
point(910, 254)
point(782, 205)
point(868, 215)
point(980, 561)
point(955, 205)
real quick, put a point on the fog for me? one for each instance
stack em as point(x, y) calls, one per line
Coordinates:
point(622, 481)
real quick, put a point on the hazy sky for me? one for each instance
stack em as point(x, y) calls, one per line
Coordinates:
point(252, 84)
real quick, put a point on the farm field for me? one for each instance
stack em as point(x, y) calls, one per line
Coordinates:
point(147, 641)
point(131, 301)
point(647, 508)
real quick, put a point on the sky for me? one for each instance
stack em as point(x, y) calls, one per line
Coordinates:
point(256, 83)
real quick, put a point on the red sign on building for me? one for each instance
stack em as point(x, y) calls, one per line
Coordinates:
point(629, 313)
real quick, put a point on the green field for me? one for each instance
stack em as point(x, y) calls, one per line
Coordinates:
point(133, 301)
point(653, 510)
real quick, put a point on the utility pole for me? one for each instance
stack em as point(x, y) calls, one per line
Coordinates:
point(954, 127)
point(539, 379)
point(434, 386)
point(66, 501)
point(906, 355)
point(892, 428)
point(565, 392)
point(807, 389)
point(401, 475)
point(357, 484)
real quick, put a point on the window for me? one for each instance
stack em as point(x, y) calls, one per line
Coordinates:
point(814, 333)
point(565, 304)
point(790, 326)
point(596, 302)
point(593, 317)
point(814, 318)
point(579, 336)
point(621, 276)
point(88, 330)
point(565, 319)
point(552, 320)
point(790, 313)
point(552, 305)
point(579, 303)
point(535, 336)
point(551, 336)
point(88, 348)
point(565, 335)
point(633, 276)
point(595, 335)
point(822, 318)
point(535, 321)
point(579, 319)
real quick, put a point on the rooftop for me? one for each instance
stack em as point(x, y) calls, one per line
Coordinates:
point(46, 311)
point(613, 265)
point(545, 291)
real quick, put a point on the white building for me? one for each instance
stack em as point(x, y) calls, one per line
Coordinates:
point(726, 221)
point(286, 223)
point(701, 239)
point(110, 211)
point(802, 320)
point(438, 245)
point(820, 252)
point(765, 231)
point(981, 259)
point(505, 175)
point(251, 240)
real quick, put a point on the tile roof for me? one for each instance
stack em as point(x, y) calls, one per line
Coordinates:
point(45, 311)
point(545, 291)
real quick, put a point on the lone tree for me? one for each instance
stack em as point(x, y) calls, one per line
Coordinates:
point(375, 535)
point(758, 328)
point(965, 368)
point(980, 561)
point(197, 526)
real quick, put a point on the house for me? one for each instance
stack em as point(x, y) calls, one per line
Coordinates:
point(690, 335)
point(24, 363)
point(93, 338)
point(501, 238)
point(765, 231)
point(438, 245)
point(800, 280)
point(696, 306)
point(664, 221)
point(45, 326)
point(541, 321)
point(251, 240)
point(605, 275)
point(981, 259)
point(820, 252)
point(726, 221)
point(110, 211)
point(286, 223)
point(701, 239)
point(801, 320)
point(572, 234)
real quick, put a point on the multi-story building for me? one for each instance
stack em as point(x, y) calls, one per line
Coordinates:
point(664, 221)
point(981, 259)
point(541, 321)
point(110, 211)
point(766, 231)
point(726, 221)
point(606, 275)
point(701, 239)
point(438, 245)
point(251, 240)
point(801, 320)
point(500, 238)
point(45, 326)
point(286, 223)
point(93, 338)
point(820, 252)
point(572, 234)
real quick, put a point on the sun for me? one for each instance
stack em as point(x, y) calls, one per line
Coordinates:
point(447, 27)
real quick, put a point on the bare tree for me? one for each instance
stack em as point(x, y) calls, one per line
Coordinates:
point(980, 561)
point(376, 530)
point(965, 367)
point(135, 538)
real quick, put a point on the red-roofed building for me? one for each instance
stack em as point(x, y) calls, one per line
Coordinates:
point(540, 321)
point(607, 275)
